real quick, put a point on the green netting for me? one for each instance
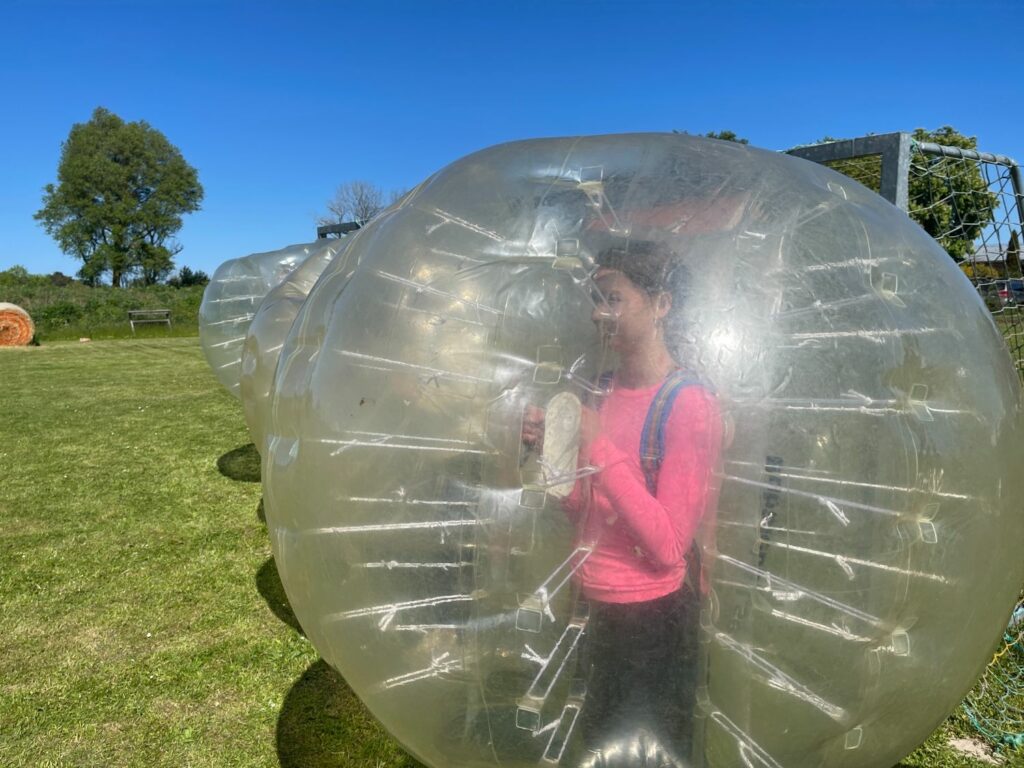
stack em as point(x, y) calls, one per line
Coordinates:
point(996, 705)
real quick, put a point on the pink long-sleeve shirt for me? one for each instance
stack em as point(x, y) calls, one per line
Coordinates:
point(640, 541)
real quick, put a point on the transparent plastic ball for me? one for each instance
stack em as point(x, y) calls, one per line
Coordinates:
point(604, 449)
point(269, 328)
point(231, 299)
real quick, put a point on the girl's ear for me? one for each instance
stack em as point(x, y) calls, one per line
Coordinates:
point(662, 305)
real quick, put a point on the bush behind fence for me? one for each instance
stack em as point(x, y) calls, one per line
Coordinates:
point(66, 309)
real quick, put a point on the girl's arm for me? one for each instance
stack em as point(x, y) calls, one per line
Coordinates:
point(665, 524)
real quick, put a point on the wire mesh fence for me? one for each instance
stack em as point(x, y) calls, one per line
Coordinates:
point(972, 204)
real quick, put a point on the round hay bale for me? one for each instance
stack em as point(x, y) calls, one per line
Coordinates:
point(16, 327)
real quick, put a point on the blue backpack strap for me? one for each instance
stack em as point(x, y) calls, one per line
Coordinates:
point(652, 439)
point(652, 452)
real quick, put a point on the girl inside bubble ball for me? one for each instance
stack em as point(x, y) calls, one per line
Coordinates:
point(654, 439)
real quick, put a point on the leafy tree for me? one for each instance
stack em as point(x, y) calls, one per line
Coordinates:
point(16, 275)
point(122, 189)
point(979, 271)
point(1013, 255)
point(949, 197)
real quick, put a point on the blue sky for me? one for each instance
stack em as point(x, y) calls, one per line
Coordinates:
point(277, 103)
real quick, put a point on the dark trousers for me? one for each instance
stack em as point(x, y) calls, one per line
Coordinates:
point(640, 666)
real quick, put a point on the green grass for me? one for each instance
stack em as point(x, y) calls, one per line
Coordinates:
point(144, 623)
point(119, 330)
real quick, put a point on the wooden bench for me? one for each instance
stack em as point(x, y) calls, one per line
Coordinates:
point(142, 316)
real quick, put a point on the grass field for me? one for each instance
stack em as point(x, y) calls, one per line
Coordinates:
point(143, 620)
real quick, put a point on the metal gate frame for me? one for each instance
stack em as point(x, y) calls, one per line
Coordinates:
point(895, 150)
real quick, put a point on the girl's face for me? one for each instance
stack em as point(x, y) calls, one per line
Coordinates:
point(626, 315)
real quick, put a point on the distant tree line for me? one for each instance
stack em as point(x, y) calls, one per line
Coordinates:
point(17, 275)
point(188, 277)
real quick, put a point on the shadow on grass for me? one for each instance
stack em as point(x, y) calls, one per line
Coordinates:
point(268, 584)
point(242, 464)
point(323, 724)
point(261, 512)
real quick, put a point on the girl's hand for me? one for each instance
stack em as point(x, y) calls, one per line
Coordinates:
point(533, 427)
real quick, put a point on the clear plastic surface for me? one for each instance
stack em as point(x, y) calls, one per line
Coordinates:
point(270, 326)
point(856, 502)
point(231, 299)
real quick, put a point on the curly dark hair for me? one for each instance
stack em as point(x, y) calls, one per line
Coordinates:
point(649, 264)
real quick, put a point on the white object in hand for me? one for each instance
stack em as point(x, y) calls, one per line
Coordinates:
point(561, 443)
